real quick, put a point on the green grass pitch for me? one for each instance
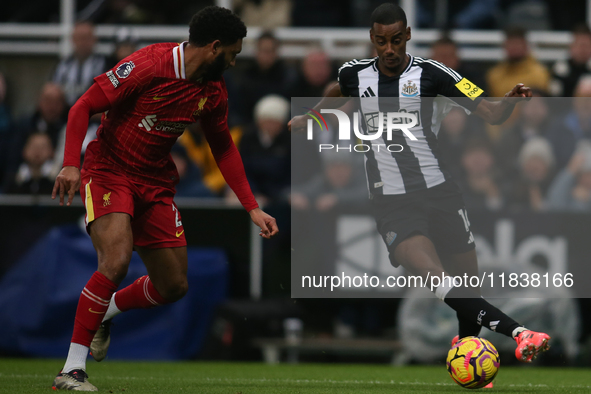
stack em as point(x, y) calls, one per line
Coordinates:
point(33, 376)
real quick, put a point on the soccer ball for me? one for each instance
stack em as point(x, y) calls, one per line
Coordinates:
point(473, 362)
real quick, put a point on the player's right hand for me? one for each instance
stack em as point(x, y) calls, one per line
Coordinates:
point(67, 181)
point(266, 222)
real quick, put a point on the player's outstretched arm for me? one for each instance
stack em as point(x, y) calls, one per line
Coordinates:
point(265, 221)
point(496, 112)
point(298, 123)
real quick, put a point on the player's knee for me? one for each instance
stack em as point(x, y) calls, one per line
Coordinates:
point(115, 269)
point(176, 291)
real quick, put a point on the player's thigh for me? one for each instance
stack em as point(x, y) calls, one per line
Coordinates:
point(159, 239)
point(449, 226)
point(157, 222)
point(417, 254)
point(398, 219)
point(109, 208)
point(167, 268)
point(113, 240)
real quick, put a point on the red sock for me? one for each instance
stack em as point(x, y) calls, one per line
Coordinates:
point(140, 294)
point(92, 305)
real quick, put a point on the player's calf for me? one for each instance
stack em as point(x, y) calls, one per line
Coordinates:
point(174, 291)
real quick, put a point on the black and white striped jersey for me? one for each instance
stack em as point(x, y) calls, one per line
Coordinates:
point(418, 166)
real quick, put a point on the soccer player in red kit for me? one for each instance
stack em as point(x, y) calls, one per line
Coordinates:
point(128, 177)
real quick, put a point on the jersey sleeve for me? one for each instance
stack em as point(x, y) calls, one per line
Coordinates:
point(346, 80)
point(130, 76)
point(462, 91)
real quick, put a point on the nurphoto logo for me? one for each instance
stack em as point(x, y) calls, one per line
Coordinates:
point(380, 125)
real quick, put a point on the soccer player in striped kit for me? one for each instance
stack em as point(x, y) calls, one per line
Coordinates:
point(418, 209)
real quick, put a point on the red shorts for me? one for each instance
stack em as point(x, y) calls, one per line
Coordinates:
point(155, 219)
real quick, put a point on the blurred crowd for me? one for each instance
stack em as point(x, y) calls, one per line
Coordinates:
point(457, 14)
point(539, 160)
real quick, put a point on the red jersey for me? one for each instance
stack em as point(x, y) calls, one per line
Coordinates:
point(152, 103)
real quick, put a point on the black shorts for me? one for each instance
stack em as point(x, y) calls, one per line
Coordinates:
point(438, 213)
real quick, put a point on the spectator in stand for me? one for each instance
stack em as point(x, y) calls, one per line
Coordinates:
point(128, 12)
point(536, 165)
point(125, 44)
point(460, 14)
point(5, 129)
point(199, 154)
point(445, 51)
point(268, 74)
point(34, 174)
point(457, 128)
point(518, 67)
point(76, 73)
point(338, 186)
point(571, 189)
point(533, 121)
point(566, 73)
point(265, 150)
point(49, 118)
point(267, 14)
point(480, 184)
point(315, 73)
point(190, 178)
point(565, 133)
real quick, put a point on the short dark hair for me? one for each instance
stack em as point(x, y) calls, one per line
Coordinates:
point(515, 32)
point(267, 35)
point(582, 29)
point(387, 14)
point(444, 40)
point(215, 23)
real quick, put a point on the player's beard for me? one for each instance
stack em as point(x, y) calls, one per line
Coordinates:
point(216, 69)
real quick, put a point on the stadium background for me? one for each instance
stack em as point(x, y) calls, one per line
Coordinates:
point(241, 310)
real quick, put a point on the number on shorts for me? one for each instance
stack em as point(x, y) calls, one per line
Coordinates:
point(176, 216)
point(464, 216)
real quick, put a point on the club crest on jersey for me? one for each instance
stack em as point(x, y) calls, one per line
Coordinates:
point(106, 199)
point(124, 69)
point(390, 237)
point(200, 106)
point(409, 89)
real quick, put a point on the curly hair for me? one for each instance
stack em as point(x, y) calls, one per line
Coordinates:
point(215, 23)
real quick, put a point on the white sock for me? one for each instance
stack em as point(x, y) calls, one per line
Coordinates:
point(76, 358)
point(445, 287)
point(517, 331)
point(112, 311)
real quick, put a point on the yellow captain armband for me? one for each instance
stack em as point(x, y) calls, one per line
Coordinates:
point(469, 89)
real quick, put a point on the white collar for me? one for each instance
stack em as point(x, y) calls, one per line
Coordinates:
point(178, 56)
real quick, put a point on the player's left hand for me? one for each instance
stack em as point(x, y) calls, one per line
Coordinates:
point(265, 221)
point(297, 124)
point(520, 91)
